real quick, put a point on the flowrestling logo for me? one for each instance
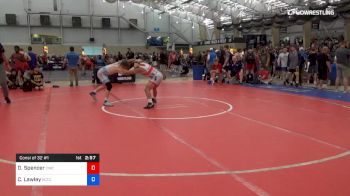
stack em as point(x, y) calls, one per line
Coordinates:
point(299, 12)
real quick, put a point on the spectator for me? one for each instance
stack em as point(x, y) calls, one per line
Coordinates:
point(72, 59)
point(33, 58)
point(211, 59)
point(12, 82)
point(45, 61)
point(19, 62)
point(83, 62)
point(312, 66)
point(215, 70)
point(251, 61)
point(302, 60)
point(171, 58)
point(293, 67)
point(282, 62)
point(37, 79)
point(4, 65)
point(119, 56)
point(343, 65)
point(264, 58)
point(100, 62)
point(324, 64)
point(130, 54)
point(272, 62)
point(226, 56)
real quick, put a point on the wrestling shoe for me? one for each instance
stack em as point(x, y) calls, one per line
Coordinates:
point(8, 101)
point(149, 106)
point(93, 95)
point(107, 103)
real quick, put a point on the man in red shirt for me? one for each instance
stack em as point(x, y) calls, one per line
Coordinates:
point(216, 70)
point(19, 60)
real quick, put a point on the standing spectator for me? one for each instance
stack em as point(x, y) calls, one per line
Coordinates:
point(293, 66)
point(264, 58)
point(19, 61)
point(324, 64)
point(312, 66)
point(251, 61)
point(302, 62)
point(130, 54)
point(227, 61)
point(282, 62)
point(100, 62)
point(4, 64)
point(220, 54)
point(271, 62)
point(215, 70)
point(119, 56)
point(33, 58)
point(171, 59)
point(226, 56)
point(162, 58)
point(199, 57)
point(72, 59)
point(83, 61)
point(210, 60)
point(342, 55)
point(45, 61)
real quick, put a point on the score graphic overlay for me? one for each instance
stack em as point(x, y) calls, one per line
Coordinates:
point(57, 169)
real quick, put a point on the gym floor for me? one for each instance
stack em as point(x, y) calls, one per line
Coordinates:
point(199, 140)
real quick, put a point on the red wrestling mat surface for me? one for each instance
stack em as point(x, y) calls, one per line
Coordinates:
point(199, 140)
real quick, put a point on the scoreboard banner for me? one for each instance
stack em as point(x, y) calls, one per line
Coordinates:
point(57, 169)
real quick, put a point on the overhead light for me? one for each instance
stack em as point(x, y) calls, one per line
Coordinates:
point(223, 29)
point(123, 5)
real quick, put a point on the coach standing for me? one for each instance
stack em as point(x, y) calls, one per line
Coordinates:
point(72, 60)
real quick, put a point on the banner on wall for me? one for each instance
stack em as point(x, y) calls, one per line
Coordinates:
point(92, 50)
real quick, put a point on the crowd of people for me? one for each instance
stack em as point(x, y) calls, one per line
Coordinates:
point(291, 65)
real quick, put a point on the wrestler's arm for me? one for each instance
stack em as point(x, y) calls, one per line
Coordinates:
point(135, 70)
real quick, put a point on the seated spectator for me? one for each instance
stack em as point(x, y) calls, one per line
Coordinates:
point(37, 79)
point(12, 82)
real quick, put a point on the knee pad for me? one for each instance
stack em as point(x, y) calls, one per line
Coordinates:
point(109, 86)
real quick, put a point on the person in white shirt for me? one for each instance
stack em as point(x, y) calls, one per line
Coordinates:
point(282, 61)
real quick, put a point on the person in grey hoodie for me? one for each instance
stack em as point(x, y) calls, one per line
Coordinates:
point(3, 77)
point(293, 67)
